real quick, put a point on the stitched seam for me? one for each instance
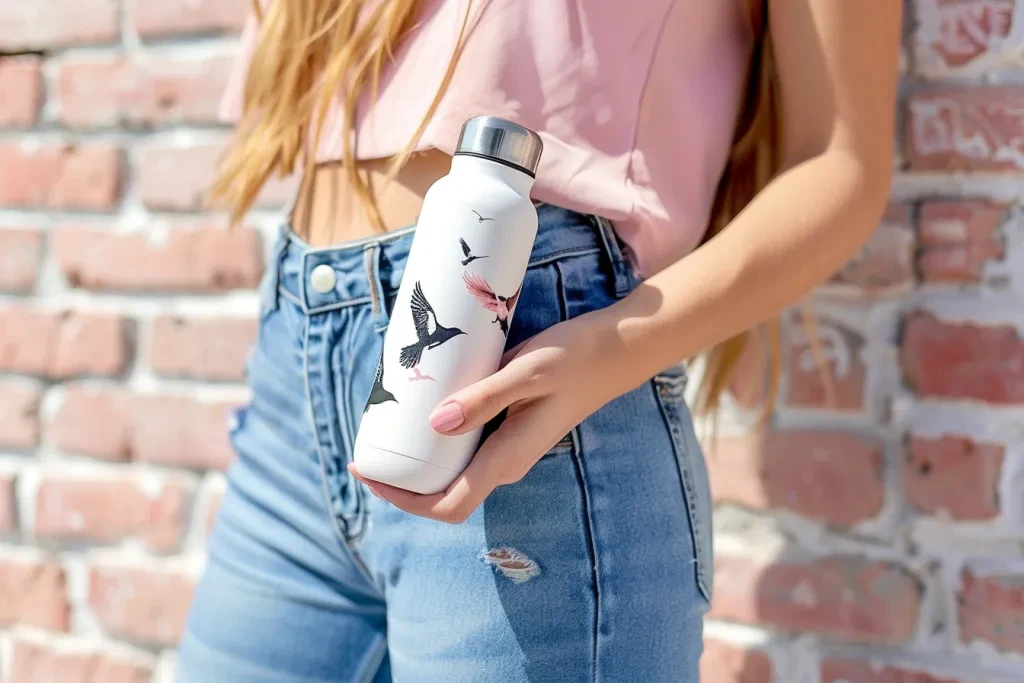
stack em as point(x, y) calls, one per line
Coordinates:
point(341, 304)
point(577, 459)
point(591, 544)
point(291, 297)
point(543, 260)
point(342, 538)
point(372, 667)
point(689, 491)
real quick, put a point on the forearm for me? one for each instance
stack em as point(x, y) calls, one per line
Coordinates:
point(799, 230)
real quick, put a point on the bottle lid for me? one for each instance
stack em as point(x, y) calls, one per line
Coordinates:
point(502, 141)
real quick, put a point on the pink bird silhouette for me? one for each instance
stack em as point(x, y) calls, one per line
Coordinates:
point(419, 376)
point(501, 306)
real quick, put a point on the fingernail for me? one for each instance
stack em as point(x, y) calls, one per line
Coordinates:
point(447, 417)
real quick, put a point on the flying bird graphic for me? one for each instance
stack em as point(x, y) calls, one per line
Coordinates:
point(479, 218)
point(419, 376)
point(429, 332)
point(378, 394)
point(499, 305)
point(468, 253)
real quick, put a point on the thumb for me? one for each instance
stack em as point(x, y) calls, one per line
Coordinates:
point(469, 408)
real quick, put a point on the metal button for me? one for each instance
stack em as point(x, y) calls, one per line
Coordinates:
point(322, 278)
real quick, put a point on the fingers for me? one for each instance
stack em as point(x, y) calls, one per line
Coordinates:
point(504, 458)
point(473, 406)
point(453, 506)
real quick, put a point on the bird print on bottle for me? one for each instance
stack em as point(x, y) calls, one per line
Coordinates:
point(479, 218)
point(470, 256)
point(378, 394)
point(429, 332)
point(418, 376)
point(499, 305)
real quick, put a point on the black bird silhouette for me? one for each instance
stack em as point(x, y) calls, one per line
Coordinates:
point(469, 254)
point(479, 218)
point(429, 332)
point(378, 394)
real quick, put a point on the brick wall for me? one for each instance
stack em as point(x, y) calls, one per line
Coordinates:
point(875, 535)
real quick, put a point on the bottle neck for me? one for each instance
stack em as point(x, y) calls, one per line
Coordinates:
point(518, 180)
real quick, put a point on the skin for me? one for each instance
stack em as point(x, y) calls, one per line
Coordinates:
point(837, 63)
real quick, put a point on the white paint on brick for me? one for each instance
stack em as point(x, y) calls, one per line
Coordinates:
point(962, 29)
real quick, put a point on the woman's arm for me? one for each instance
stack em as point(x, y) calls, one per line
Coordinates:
point(837, 63)
point(837, 66)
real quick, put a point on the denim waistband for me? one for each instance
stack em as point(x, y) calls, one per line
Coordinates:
point(369, 270)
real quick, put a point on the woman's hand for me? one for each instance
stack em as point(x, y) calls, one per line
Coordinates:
point(549, 384)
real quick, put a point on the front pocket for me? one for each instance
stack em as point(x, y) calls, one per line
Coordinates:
point(669, 388)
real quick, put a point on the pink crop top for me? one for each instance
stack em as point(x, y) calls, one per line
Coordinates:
point(636, 102)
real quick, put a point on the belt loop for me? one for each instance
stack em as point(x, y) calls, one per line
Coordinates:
point(621, 269)
point(271, 276)
point(371, 260)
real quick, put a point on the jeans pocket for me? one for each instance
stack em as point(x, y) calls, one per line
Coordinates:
point(669, 388)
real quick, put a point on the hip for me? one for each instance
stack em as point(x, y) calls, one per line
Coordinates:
point(628, 481)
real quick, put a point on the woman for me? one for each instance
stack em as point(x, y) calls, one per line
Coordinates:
point(577, 545)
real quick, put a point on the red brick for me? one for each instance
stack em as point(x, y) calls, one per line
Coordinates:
point(843, 597)
point(971, 129)
point(953, 476)
point(19, 415)
point(33, 593)
point(190, 259)
point(22, 86)
point(954, 33)
point(61, 343)
point(139, 604)
point(992, 609)
point(828, 476)
point(41, 24)
point(8, 503)
point(37, 663)
point(178, 178)
point(144, 90)
point(94, 422)
point(886, 263)
point(167, 430)
point(722, 663)
point(20, 251)
point(831, 376)
point(160, 19)
point(962, 360)
point(59, 177)
point(958, 239)
point(211, 349)
point(107, 510)
point(849, 671)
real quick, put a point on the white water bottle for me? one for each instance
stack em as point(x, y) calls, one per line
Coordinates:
point(448, 328)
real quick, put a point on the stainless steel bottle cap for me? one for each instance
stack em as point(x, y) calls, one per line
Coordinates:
point(502, 141)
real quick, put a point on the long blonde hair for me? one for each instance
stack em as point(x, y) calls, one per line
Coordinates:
point(310, 51)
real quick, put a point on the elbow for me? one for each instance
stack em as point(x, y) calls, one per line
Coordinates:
point(863, 183)
point(872, 193)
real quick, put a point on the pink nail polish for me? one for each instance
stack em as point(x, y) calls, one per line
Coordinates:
point(447, 417)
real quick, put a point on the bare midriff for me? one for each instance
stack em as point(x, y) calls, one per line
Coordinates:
point(330, 211)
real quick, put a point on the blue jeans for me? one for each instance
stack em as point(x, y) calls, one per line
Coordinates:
point(596, 566)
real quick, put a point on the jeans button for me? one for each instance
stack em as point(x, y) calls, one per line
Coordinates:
point(322, 278)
